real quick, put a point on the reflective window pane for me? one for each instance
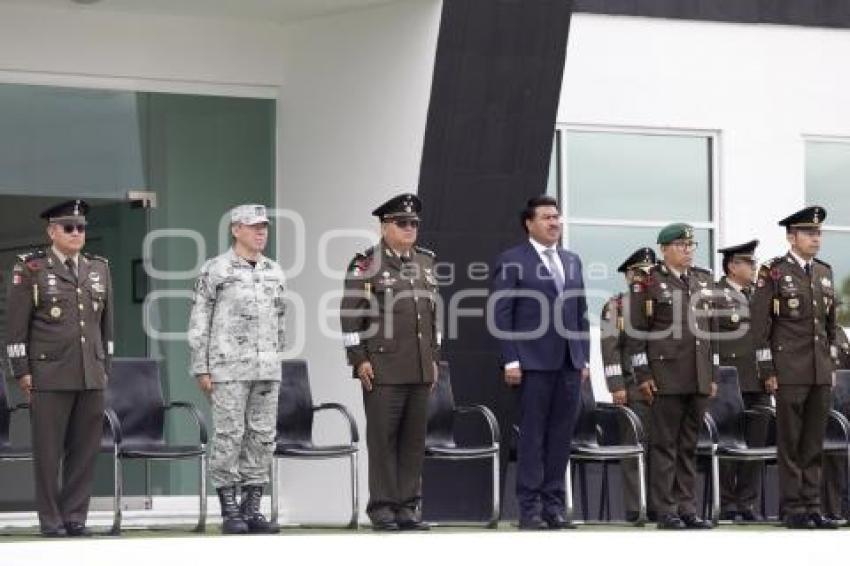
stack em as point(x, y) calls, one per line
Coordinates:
point(833, 252)
point(630, 176)
point(828, 178)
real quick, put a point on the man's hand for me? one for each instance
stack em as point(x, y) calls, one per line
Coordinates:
point(619, 396)
point(25, 383)
point(712, 392)
point(771, 384)
point(366, 375)
point(205, 383)
point(585, 374)
point(648, 389)
point(436, 376)
point(513, 376)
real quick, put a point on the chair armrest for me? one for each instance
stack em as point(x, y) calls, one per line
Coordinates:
point(711, 428)
point(630, 416)
point(842, 422)
point(352, 424)
point(20, 407)
point(495, 431)
point(111, 419)
point(196, 415)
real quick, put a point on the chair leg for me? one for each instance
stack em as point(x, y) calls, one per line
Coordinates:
point(148, 495)
point(353, 523)
point(585, 506)
point(116, 493)
point(496, 510)
point(603, 492)
point(641, 520)
point(715, 488)
point(273, 491)
point(568, 490)
point(202, 493)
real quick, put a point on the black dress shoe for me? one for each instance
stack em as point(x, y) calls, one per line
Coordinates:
point(75, 529)
point(52, 532)
point(413, 525)
point(821, 522)
point(691, 521)
point(558, 522)
point(799, 521)
point(533, 524)
point(671, 522)
point(384, 525)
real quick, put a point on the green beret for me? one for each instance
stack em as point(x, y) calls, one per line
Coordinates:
point(676, 231)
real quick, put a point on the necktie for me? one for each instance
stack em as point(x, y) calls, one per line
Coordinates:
point(809, 269)
point(557, 278)
point(71, 267)
point(684, 278)
point(746, 292)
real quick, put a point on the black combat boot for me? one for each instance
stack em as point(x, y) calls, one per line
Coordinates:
point(232, 522)
point(251, 497)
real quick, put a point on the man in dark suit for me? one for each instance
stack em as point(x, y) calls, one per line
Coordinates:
point(540, 321)
point(794, 318)
point(59, 335)
point(740, 482)
point(670, 338)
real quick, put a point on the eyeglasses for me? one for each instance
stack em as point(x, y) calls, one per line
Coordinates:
point(69, 228)
point(405, 223)
point(685, 245)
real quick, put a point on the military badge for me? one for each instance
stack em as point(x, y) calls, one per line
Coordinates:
point(826, 282)
point(735, 318)
point(55, 312)
point(94, 276)
point(793, 303)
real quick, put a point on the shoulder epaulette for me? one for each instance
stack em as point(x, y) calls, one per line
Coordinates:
point(35, 254)
point(361, 261)
point(822, 262)
point(701, 270)
point(95, 257)
point(424, 251)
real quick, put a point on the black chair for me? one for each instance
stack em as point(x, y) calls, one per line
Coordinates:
point(837, 439)
point(440, 442)
point(135, 416)
point(725, 435)
point(294, 440)
point(598, 425)
point(8, 451)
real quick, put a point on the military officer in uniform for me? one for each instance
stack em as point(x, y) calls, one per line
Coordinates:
point(673, 352)
point(389, 324)
point(60, 344)
point(619, 375)
point(794, 318)
point(236, 339)
point(741, 481)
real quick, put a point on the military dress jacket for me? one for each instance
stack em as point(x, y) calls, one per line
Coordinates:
point(671, 335)
point(737, 340)
point(612, 341)
point(59, 326)
point(794, 317)
point(388, 315)
point(236, 327)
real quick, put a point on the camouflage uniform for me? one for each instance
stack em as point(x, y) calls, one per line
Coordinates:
point(236, 335)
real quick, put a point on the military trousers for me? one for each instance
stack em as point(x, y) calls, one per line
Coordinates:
point(396, 423)
point(740, 482)
point(802, 412)
point(631, 480)
point(244, 415)
point(676, 420)
point(66, 428)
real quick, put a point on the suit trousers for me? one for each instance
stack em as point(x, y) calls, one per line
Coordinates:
point(548, 410)
point(676, 420)
point(396, 423)
point(740, 482)
point(66, 427)
point(801, 417)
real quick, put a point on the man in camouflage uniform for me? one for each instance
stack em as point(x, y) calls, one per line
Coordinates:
point(620, 377)
point(59, 332)
point(740, 482)
point(794, 320)
point(388, 319)
point(674, 356)
point(236, 336)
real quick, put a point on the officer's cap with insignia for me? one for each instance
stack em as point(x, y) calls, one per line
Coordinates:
point(642, 257)
point(673, 232)
point(809, 217)
point(249, 214)
point(746, 251)
point(68, 211)
point(405, 205)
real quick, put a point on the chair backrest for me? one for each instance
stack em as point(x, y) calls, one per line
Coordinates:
point(441, 410)
point(294, 404)
point(134, 392)
point(841, 392)
point(5, 414)
point(727, 408)
point(586, 431)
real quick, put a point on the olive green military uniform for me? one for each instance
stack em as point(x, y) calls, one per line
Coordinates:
point(388, 318)
point(794, 317)
point(60, 332)
point(620, 376)
point(683, 365)
point(740, 482)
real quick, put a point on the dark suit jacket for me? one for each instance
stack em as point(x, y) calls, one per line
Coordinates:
point(528, 301)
